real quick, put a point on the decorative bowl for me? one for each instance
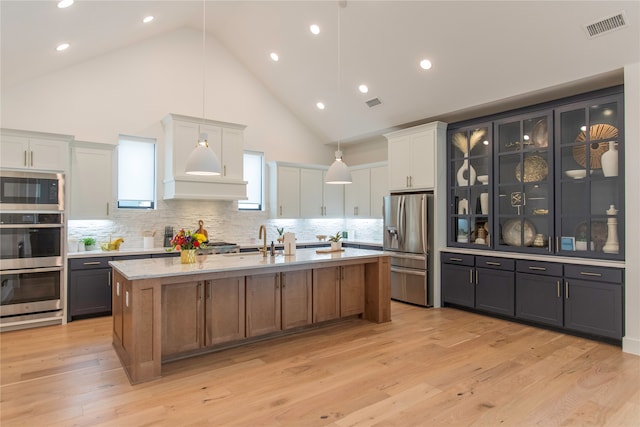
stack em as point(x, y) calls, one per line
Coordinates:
point(576, 173)
point(484, 179)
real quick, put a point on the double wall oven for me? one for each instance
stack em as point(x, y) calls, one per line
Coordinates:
point(32, 236)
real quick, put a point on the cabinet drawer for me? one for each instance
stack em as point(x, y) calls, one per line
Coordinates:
point(89, 263)
point(539, 267)
point(126, 257)
point(461, 259)
point(600, 274)
point(495, 262)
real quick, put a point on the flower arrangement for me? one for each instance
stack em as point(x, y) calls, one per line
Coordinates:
point(186, 240)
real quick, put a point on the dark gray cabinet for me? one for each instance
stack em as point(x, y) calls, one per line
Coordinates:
point(539, 292)
point(89, 286)
point(593, 300)
point(577, 298)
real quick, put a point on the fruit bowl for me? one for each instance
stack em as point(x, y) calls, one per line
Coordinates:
point(113, 245)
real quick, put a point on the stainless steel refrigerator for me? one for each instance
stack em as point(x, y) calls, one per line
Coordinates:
point(408, 233)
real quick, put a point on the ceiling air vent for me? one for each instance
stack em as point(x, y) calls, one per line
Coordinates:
point(373, 102)
point(606, 25)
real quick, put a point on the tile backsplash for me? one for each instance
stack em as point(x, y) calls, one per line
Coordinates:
point(222, 220)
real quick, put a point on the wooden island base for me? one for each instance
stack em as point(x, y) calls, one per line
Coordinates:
point(173, 316)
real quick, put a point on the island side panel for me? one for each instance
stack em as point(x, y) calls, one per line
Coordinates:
point(378, 291)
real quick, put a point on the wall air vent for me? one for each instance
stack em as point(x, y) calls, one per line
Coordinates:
point(606, 25)
point(373, 102)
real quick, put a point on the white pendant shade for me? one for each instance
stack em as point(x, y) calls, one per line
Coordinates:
point(339, 173)
point(202, 160)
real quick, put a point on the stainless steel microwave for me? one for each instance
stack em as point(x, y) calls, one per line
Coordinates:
point(31, 191)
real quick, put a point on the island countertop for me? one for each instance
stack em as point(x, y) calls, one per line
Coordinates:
point(152, 268)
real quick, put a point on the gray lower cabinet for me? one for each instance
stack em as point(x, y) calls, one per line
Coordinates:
point(578, 298)
point(89, 286)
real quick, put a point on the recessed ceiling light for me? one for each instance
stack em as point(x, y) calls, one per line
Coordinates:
point(363, 88)
point(320, 105)
point(147, 19)
point(62, 46)
point(64, 3)
point(314, 29)
point(274, 57)
point(425, 64)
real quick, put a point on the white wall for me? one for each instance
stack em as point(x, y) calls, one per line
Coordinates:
point(631, 340)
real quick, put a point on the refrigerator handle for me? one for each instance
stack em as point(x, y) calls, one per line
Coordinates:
point(402, 222)
point(423, 222)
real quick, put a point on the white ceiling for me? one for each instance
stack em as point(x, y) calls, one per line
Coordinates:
point(496, 54)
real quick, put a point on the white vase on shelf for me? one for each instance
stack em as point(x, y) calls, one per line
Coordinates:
point(609, 160)
point(460, 176)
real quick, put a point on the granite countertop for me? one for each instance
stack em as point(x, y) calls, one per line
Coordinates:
point(149, 268)
point(159, 250)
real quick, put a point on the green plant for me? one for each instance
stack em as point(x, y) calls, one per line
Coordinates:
point(89, 241)
point(280, 231)
point(336, 238)
point(581, 235)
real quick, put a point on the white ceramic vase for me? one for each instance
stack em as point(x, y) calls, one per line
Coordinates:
point(466, 168)
point(609, 160)
point(484, 203)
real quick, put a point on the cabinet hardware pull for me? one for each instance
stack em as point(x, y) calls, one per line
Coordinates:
point(557, 243)
point(586, 273)
point(107, 208)
point(558, 288)
point(224, 169)
point(538, 268)
point(117, 289)
point(282, 280)
point(566, 289)
point(280, 210)
point(476, 277)
point(109, 279)
point(455, 259)
point(471, 276)
point(550, 245)
point(25, 158)
point(126, 298)
point(406, 178)
point(32, 158)
point(91, 263)
point(493, 263)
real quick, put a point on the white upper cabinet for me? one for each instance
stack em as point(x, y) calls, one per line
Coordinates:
point(311, 188)
point(34, 150)
point(412, 156)
point(92, 179)
point(225, 139)
point(379, 189)
point(284, 197)
point(332, 198)
point(357, 195)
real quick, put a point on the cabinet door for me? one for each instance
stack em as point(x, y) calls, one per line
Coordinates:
point(263, 304)
point(91, 183)
point(296, 299)
point(351, 290)
point(224, 310)
point(333, 198)
point(593, 307)
point(182, 317)
point(232, 153)
point(423, 158)
point(288, 192)
point(358, 194)
point(539, 298)
point(89, 292)
point(495, 291)
point(458, 285)
point(399, 150)
point(379, 189)
point(311, 186)
point(14, 152)
point(48, 155)
point(326, 294)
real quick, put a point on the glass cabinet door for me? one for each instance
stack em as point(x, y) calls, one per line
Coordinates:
point(469, 185)
point(524, 183)
point(590, 187)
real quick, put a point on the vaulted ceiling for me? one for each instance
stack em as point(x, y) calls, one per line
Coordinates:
point(491, 54)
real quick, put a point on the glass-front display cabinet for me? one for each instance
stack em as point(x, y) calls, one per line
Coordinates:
point(524, 182)
point(590, 178)
point(469, 181)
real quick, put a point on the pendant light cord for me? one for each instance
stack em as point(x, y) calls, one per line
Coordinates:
point(204, 32)
point(339, 74)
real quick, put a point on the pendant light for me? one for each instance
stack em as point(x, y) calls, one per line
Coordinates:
point(202, 160)
point(339, 173)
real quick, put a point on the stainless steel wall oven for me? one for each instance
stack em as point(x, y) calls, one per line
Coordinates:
point(32, 236)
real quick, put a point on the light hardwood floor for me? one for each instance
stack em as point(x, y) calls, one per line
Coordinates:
point(428, 367)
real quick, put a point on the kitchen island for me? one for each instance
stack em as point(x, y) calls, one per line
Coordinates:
point(164, 310)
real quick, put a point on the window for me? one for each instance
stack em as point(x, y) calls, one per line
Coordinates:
point(253, 165)
point(136, 172)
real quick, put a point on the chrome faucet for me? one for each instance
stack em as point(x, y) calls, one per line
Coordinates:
point(262, 234)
